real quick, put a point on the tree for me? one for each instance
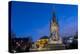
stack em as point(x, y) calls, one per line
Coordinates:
point(11, 41)
point(76, 35)
point(44, 37)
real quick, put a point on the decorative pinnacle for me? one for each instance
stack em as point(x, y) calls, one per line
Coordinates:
point(54, 17)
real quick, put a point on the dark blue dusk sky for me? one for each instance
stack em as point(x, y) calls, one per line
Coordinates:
point(33, 19)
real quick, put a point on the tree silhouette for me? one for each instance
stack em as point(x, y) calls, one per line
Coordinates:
point(12, 35)
point(44, 37)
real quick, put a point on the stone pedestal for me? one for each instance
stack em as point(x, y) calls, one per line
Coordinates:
point(56, 46)
point(55, 41)
point(50, 47)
